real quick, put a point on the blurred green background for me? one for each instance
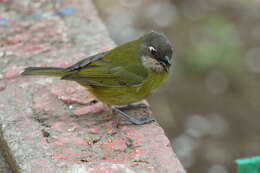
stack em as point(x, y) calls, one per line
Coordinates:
point(210, 107)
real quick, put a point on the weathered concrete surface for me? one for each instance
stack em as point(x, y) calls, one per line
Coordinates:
point(48, 125)
point(4, 167)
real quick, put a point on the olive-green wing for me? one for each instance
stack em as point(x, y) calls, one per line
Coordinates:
point(108, 70)
point(85, 63)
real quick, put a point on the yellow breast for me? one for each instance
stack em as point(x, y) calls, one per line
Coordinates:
point(129, 94)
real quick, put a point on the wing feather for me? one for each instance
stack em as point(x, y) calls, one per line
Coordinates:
point(116, 68)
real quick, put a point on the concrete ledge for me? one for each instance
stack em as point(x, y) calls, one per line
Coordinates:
point(48, 125)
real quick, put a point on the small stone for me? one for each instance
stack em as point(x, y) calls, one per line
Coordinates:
point(92, 140)
point(71, 129)
point(70, 107)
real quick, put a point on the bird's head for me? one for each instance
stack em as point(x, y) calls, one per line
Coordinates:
point(156, 52)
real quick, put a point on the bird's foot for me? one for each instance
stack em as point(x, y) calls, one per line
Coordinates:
point(133, 106)
point(130, 119)
point(136, 122)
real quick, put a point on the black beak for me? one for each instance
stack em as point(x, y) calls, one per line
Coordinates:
point(166, 63)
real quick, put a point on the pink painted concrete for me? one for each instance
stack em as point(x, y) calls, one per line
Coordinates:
point(50, 125)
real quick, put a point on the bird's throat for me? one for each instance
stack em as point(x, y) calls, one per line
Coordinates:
point(152, 64)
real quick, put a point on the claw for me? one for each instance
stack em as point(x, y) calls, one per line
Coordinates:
point(133, 106)
point(131, 120)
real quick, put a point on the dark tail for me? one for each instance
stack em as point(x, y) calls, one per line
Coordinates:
point(45, 71)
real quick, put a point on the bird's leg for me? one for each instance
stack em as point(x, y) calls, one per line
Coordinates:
point(131, 120)
point(133, 106)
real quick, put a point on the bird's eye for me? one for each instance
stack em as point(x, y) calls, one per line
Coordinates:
point(152, 50)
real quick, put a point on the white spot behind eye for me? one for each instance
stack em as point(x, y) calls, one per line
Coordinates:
point(152, 49)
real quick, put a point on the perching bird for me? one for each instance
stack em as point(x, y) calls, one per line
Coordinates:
point(123, 75)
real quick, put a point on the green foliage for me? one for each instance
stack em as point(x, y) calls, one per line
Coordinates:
point(218, 48)
point(249, 165)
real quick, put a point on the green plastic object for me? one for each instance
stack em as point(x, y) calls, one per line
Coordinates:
point(248, 165)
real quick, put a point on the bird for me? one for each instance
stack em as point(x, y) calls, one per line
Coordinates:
point(121, 76)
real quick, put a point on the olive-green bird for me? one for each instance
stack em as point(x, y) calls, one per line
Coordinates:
point(123, 75)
